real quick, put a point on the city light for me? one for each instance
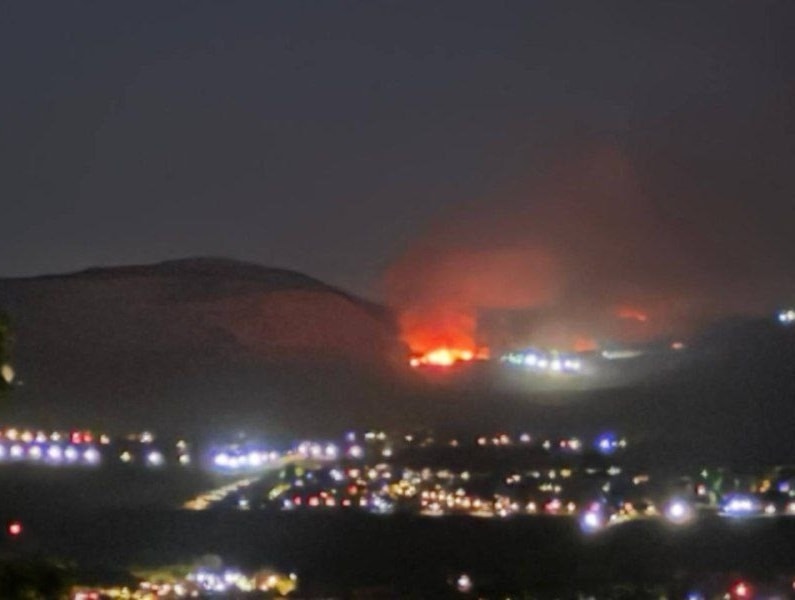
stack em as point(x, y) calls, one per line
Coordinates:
point(14, 528)
point(155, 459)
point(787, 317)
point(544, 361)
point(679, 512)
point(593, 519)
point(739, 505)
point(464, 584)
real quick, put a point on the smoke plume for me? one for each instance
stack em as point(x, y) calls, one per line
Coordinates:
point(591, 249)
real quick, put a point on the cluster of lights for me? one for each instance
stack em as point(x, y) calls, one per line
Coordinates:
point(201, 583)
point(368, 489)
point(50, 453)
point(207, 499)
point(318, 451)
point(80, 447)
point(12, 434)
point(739, 505)
point(152, 457)
point(608, 443)
point(240, 459)
point(786, 317)
point(544, 362)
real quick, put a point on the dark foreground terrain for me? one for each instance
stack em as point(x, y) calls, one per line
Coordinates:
point(337, 553)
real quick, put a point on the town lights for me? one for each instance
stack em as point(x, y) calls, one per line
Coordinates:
point(787, 317)
point(739, 505)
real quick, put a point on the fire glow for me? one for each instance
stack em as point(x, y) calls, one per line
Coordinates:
point(447, 357)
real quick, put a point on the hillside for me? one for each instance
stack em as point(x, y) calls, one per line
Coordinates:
point(169, 343)
point(214, 346)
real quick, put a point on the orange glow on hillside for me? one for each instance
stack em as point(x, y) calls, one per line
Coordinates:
point(634, 314)
point(585, 344)
point(447, 357)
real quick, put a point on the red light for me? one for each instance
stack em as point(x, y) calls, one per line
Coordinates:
point(741, 590)
point(76, 437)
point(14, 528)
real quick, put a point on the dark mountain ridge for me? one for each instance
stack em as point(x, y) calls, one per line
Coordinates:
point(162, 344)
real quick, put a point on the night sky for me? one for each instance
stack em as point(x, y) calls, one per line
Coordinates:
point(328, 137)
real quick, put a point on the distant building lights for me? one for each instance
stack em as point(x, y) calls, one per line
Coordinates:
point(787, 317)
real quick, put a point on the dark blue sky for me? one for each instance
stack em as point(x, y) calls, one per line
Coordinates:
point(326, 136)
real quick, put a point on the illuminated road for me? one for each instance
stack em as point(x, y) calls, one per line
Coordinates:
point(207, 499)
point(210, 498)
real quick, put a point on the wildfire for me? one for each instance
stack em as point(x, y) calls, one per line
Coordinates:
point(447, 357)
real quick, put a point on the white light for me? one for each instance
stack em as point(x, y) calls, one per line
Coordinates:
point(71, 453)
point(254, 459)
point(55, 453)
point(463, 583)
point(91, 456)
point(155, 459)
point(679, 512)
point(35, 452)
point(591, 521)
point(17, 451)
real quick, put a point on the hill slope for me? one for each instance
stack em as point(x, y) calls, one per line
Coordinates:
point(213, 345)
point(165, 344)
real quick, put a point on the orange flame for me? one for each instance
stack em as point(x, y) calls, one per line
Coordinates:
point(447, 357)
